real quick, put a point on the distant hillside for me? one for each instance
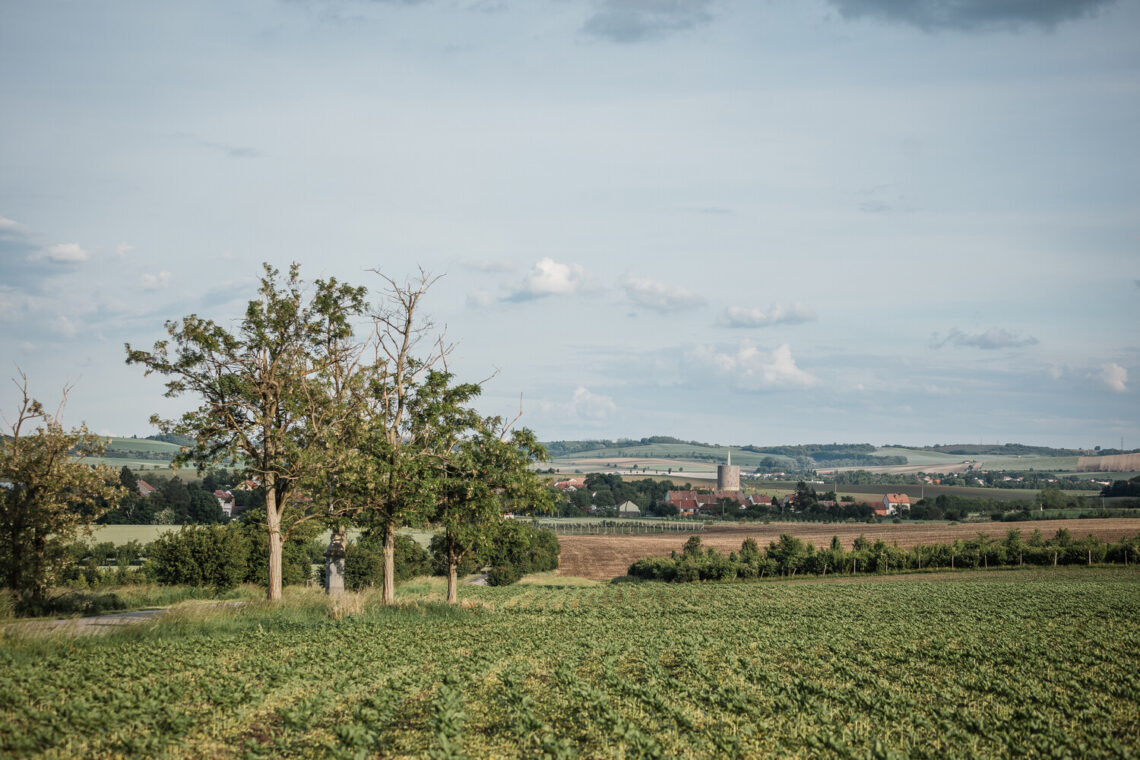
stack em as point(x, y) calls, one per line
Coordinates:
point(140, 449)
point(821, 456)
point(797, 458)
point(1007, 449)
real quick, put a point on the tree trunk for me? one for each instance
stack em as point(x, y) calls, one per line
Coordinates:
point(452, 578)
point(389, 595)
point(273, 523)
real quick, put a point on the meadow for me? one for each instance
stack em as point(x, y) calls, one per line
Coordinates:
point(1005, 664)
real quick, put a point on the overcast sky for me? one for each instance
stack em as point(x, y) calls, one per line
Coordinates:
point(738, 222)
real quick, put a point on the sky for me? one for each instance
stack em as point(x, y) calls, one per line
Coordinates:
point(731, 221)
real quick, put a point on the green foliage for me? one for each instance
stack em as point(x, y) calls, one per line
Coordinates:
point(503, 575)
point(789, 556)
point(524, 547)
point(201, 556)
point(274, 392)
point(1027, 664)
point(469, 562)
point(364, 562)
point(49, 496)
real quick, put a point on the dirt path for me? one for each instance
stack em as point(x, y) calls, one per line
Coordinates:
point(84, 626)
point(96, 625)
point(604, 557)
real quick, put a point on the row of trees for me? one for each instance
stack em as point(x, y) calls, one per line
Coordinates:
point(789, 556)
point(223, 556)
point(338, 426)
point(372, 431)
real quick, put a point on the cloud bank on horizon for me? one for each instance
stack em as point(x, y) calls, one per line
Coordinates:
point(841, 220)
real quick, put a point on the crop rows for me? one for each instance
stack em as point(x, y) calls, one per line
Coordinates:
point(1048, 665)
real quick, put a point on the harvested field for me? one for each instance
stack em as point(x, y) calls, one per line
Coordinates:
point(603, 557)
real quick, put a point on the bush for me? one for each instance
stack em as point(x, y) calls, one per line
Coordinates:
point(201, 556)
point(503, 575)
point(525, 547)
point(363, 566)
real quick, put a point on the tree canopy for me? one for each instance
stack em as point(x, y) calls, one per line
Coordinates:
point(47, 496)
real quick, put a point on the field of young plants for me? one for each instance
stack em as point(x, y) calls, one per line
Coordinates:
point(999, 664)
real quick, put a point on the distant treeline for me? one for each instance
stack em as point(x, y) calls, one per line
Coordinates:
point(790, 556)
point(177, 440)
point(566, 448)
point(116, 452)
point(1013, 449)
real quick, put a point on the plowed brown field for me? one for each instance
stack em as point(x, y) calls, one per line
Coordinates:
point(604, 557)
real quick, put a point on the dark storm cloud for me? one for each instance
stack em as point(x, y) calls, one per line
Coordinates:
point(627, 21)
point(992, 339)
point(970, 15)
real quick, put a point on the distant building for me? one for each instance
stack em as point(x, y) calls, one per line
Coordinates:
point(225, 501)
point(145, 489)
point(894, 502)
point(628, 509)
point(728, 475)
point(573, 484)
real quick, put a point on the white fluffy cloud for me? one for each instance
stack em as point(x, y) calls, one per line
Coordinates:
point(776, 314)
point(149, 281)
point(549, 278)
point(659, 296)
point(1114, 376)
point(591, 406)
point(66, 253)
point(752, 368)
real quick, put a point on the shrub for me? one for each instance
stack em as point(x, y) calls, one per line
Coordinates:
point(525, 547)
point(503, 575)
point(201, 556)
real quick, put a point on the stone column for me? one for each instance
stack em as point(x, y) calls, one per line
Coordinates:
point(334, 562)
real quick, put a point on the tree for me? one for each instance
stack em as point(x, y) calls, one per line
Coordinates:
point(203, 508)
point(48, 496)
point(482, 470)
point(273, 393)
point(386, 484)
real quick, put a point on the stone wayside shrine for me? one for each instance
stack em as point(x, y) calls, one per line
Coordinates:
point(334, 562)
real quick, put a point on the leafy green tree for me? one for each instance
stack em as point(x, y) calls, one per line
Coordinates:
point(387, 482)
point(203, 508)
point(128, 480)
point(48, 496)
point(272, 393)
point(482, 470)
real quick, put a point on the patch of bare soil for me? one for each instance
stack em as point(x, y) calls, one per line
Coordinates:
point(604, 557)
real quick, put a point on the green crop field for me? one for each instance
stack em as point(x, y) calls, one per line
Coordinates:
point(921, 457)
point(999, 664)
point(122, 534)
point(680, 451)
point(143, 444)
